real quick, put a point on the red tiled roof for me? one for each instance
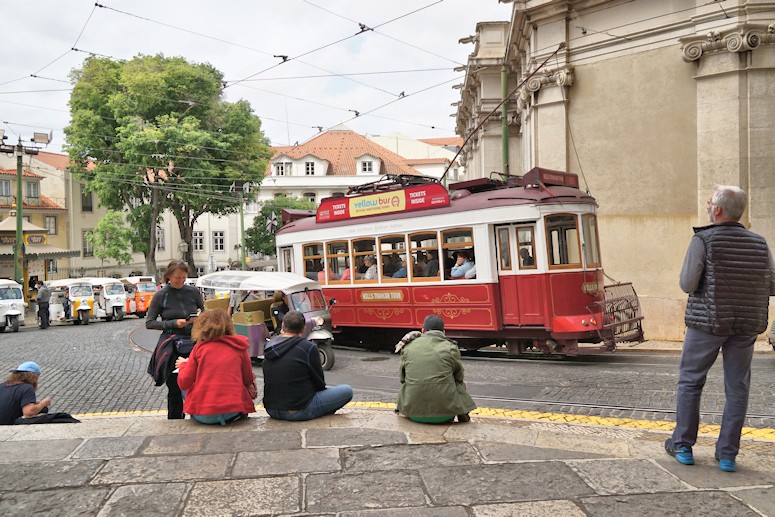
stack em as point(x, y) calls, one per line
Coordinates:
point(451, 140)
point(45, 204)
point(341, 149)
point(58, 161)
point(25, 172)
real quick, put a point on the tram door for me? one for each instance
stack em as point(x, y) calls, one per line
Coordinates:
point(520, 287)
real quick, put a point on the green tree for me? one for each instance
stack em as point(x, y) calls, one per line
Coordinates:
point(154, 133)
point(258, 238)
point(111, 239)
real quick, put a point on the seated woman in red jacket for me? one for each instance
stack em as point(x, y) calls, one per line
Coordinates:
point(217, 377)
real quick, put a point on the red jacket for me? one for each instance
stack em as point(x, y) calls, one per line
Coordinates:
point(216, 376)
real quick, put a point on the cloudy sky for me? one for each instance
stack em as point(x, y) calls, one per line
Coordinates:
point(398, 76)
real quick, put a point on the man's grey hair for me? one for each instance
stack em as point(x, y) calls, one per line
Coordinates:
point(731, 200)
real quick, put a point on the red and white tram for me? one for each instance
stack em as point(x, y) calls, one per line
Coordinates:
point(386, 253)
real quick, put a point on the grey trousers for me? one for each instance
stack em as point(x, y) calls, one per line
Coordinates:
point(699, 353)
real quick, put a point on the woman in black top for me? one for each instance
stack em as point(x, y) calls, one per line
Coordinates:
point(175, 302)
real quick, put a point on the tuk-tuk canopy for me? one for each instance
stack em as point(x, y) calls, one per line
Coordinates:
point(94, 281)
point(256, 281)
point(68, 282)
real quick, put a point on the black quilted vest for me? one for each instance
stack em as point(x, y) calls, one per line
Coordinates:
point(733, 294)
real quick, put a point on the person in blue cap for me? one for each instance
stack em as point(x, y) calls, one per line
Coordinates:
point(17, 394)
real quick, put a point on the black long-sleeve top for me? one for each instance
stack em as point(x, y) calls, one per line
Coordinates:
point(173, 304)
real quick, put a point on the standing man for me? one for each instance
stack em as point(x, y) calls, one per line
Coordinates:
point(42, 299)
point(729, 274)
point(294, 385)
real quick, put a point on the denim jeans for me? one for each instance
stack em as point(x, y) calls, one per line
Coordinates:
point(324, 402)
point(699, 353)
point(222, 419)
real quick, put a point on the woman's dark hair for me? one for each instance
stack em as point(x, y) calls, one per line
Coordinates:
point(211, 324)
point(23, 377)
point(174, 265)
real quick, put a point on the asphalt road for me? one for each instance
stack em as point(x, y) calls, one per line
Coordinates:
point(98, 368)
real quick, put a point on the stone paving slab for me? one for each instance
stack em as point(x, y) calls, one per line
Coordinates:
point(107, 448)
point(762, 499)
point(368, 490)
point(609, 477)
point(175, 444)
point(47, 474)
point(273, 463)
point(531, 509)
point(60, 502)
point(352, 437)
point(410, 457)
point(253, 441)
point(706, 474)
point(159, 500)
point(266, 496)
point(503, 483)
point(11, 452)
point(446, 511)
point(688, 504)
point(154, 469)
point(503, 452)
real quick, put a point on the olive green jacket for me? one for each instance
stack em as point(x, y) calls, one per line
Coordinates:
point(431, 376)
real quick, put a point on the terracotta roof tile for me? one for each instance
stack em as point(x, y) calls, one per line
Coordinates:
point(25, 172)
point(452, 140)
point(341, 149)
point(59, 161)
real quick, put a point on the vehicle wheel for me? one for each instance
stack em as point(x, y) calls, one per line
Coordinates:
point(108, 318)
point(83, 317)
point(119, 315)
point(141, 314)
point(14, 324)
point(326, 355)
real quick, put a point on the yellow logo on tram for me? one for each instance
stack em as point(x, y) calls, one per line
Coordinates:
point(377, 204)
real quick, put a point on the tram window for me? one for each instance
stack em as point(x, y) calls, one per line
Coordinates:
point(313, 262)
point(562, 240)
point(424, 250)
point(591, 245)
point(286, 260)
point(392, 250)
point(459, 241)
point(504, 249)
point(338, 256)
point(527, 252)
point(365, 260)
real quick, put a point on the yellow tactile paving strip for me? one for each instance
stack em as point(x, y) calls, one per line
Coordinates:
point(515, 414)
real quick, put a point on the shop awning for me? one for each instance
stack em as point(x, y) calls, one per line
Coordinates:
point(39, 251)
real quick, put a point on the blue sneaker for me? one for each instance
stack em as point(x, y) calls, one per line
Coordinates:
point(682, 455)
point(726, 465)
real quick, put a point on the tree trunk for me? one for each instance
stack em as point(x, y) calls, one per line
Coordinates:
point(150, 255)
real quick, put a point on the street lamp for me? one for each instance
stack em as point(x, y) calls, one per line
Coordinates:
point(183, 249)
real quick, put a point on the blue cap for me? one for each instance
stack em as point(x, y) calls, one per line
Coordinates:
point(29, 366)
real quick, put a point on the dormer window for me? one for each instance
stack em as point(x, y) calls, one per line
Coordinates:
point(367, 167)
point(33, 189)
point(309, 168)
point(283, 168)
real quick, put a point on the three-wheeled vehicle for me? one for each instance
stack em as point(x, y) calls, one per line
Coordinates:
point(109, 298)
point(72, 299)
point(12, 305)
point(255, 320)
point(139, 291)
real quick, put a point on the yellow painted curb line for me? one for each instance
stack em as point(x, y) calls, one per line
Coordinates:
point(561, 418)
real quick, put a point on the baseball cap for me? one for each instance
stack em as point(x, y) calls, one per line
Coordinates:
point(28, 366)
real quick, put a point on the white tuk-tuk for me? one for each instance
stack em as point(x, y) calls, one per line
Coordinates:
point(109, 298)
point(12, 305)
point(72, 299)
point(255, 320)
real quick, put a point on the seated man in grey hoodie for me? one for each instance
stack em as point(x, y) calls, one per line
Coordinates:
point(294, 385)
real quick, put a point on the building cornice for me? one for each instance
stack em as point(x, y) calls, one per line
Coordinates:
point(739, 39)
point(562, 76)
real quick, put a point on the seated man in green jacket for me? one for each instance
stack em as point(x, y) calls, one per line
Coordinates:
point(431, 375)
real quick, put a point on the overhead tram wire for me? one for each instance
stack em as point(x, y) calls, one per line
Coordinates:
point(386, 72)
point(480, 124)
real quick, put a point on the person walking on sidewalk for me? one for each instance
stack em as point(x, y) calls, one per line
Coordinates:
point(729, 275)
point(431, 374)
point(42, 300)
point(294, 385)
point(174, 303)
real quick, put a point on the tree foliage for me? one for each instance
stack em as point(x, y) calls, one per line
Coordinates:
point(258, 238)
point(154, 133)
point(111, 239)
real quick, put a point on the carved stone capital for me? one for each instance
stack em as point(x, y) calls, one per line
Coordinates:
point(739, 39)
point(562, 76)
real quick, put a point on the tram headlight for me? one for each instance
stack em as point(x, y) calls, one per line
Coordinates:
point(319, 321)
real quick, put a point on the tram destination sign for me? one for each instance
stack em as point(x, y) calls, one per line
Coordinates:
point(420, 197)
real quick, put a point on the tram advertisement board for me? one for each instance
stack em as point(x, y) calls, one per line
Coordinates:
point(420, 197)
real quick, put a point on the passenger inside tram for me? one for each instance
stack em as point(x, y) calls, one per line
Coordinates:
point(371, 268)
point(432, 264)
point(462, 265)
point(402, 272)
point(525, 258)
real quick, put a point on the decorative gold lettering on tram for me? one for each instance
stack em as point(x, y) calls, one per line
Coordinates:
point(381, 296)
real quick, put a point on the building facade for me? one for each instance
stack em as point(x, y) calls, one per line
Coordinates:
point(650, 103)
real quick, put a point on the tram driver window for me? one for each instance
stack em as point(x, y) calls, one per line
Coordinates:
point(591, 247)
point(313, 262)
point(562, 241)
point(526, 248)
point(459, 258)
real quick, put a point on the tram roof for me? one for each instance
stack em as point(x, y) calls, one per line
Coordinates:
point(464, 201)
